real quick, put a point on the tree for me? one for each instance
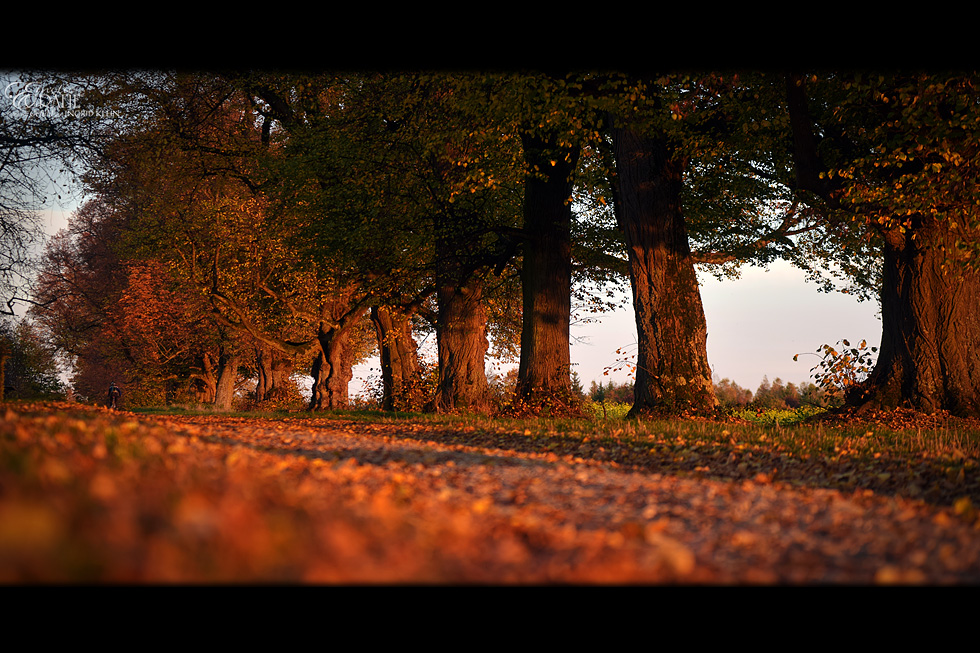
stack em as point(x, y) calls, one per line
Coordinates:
point(188, 173)
point(398, 352)
point(79, 280)
point(405, 197)
point(730, 394)
point(45, 129)
point(546, 271)
point(895, 156)
point(555, 125)
point(694, 161)
point(672, 363)
point(30, 368)
point(27, 138)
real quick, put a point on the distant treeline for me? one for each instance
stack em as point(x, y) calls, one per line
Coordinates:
point(769, 394)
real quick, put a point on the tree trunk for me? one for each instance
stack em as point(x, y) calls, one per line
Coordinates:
point(205, 379)
point(461, 333)
point(5, 351)
point(400, 372)
point(228, 365)
point(274, 371)
point(332, 369)
point(3, 367)
point(544, 373)
point(929, 357)
point(672, 372)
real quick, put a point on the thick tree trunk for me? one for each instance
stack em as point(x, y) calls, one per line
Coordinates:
point(672, 372)
point(274, 371)
point(332, 369)
point(401, 374)
point(929, 358)
point(228, 365)
point(544, 373)
point(205, 379)
point(461, 333)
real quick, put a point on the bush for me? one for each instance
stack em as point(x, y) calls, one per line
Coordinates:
point(605, 409)
point(777, 416)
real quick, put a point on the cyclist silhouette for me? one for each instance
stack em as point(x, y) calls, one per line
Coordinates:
point(114, 394)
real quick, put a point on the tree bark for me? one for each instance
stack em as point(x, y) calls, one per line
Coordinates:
point(672, 372)
point(401, 374)
point(461, 333)
point(274, 371)
point(205, 380)
point(228, 365)
point(332, 369)
point(544, 373)
point(929, 358)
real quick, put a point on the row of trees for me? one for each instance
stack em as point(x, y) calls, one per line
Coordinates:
point(773, 394)
point(277, 219)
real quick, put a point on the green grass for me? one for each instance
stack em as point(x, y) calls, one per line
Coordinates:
point(783, 430)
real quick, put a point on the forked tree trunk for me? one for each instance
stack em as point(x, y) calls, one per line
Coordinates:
point(228, 365)
point(544, 373)
point(274, 372)
point(332, 369)
point(400, 371)
point(461, 333)
point(672, 372)
point(205, 379)
point(929, 358)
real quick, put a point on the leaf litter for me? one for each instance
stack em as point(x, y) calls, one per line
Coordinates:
point(92, 496)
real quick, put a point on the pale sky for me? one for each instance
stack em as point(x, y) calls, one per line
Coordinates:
point(756, 324)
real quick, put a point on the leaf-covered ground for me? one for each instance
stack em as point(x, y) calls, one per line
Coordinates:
point(91, 496)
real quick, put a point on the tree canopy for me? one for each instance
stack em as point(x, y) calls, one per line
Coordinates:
point(268, 215)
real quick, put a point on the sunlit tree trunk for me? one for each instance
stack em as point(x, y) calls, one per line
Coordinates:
point(205, 379)
point(400, 371)
point(274, 372)
point(228, 364)
point(461, 333)
point(672, 372)
point(929, 358)
point(544, 374)
point(332, 369)
point(461, 323)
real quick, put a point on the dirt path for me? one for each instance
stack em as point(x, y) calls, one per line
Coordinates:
point(222, 499)
point(485, 515)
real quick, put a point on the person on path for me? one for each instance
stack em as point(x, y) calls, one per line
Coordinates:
point(114, 394)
